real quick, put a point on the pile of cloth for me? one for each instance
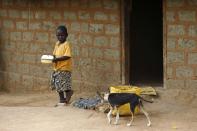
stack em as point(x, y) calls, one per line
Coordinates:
point(87, 103)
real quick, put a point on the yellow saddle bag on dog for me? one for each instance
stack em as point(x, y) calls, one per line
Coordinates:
point(125, 109)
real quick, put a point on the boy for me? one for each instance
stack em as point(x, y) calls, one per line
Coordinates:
point(62, 63)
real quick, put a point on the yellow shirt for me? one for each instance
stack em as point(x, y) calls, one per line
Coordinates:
point(63, 49)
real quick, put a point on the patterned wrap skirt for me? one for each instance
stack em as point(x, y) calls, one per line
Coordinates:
point(61, 81)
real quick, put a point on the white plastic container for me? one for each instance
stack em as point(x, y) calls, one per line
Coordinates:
point(47, 59)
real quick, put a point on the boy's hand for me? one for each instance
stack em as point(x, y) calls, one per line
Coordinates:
point(54, 59)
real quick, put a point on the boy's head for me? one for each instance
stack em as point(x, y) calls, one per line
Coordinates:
point(61, 33)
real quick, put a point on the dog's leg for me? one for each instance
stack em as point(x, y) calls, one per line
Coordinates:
point(117, 116)
point(109, 115)
point(146, 114)
point(131, 121)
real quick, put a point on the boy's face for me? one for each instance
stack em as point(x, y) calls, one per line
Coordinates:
point(61, 35)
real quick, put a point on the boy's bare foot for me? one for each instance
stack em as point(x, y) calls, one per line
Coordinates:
point(60, 105)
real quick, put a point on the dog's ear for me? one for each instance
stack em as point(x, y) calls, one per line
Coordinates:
point(108, 89)
point(99, 95)
point(106, 95)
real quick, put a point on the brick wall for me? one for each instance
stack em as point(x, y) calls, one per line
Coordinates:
point(181, 57)
point(27, 30)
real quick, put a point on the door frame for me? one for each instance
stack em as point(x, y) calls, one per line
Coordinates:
point(125, 44)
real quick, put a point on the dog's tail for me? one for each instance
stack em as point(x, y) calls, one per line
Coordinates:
point(145, 99)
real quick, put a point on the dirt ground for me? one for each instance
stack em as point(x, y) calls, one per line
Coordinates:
point(173, 110)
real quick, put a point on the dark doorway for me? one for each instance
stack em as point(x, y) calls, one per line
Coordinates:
point(144, 42)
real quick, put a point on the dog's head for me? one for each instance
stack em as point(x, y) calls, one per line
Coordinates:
point(104, 96)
